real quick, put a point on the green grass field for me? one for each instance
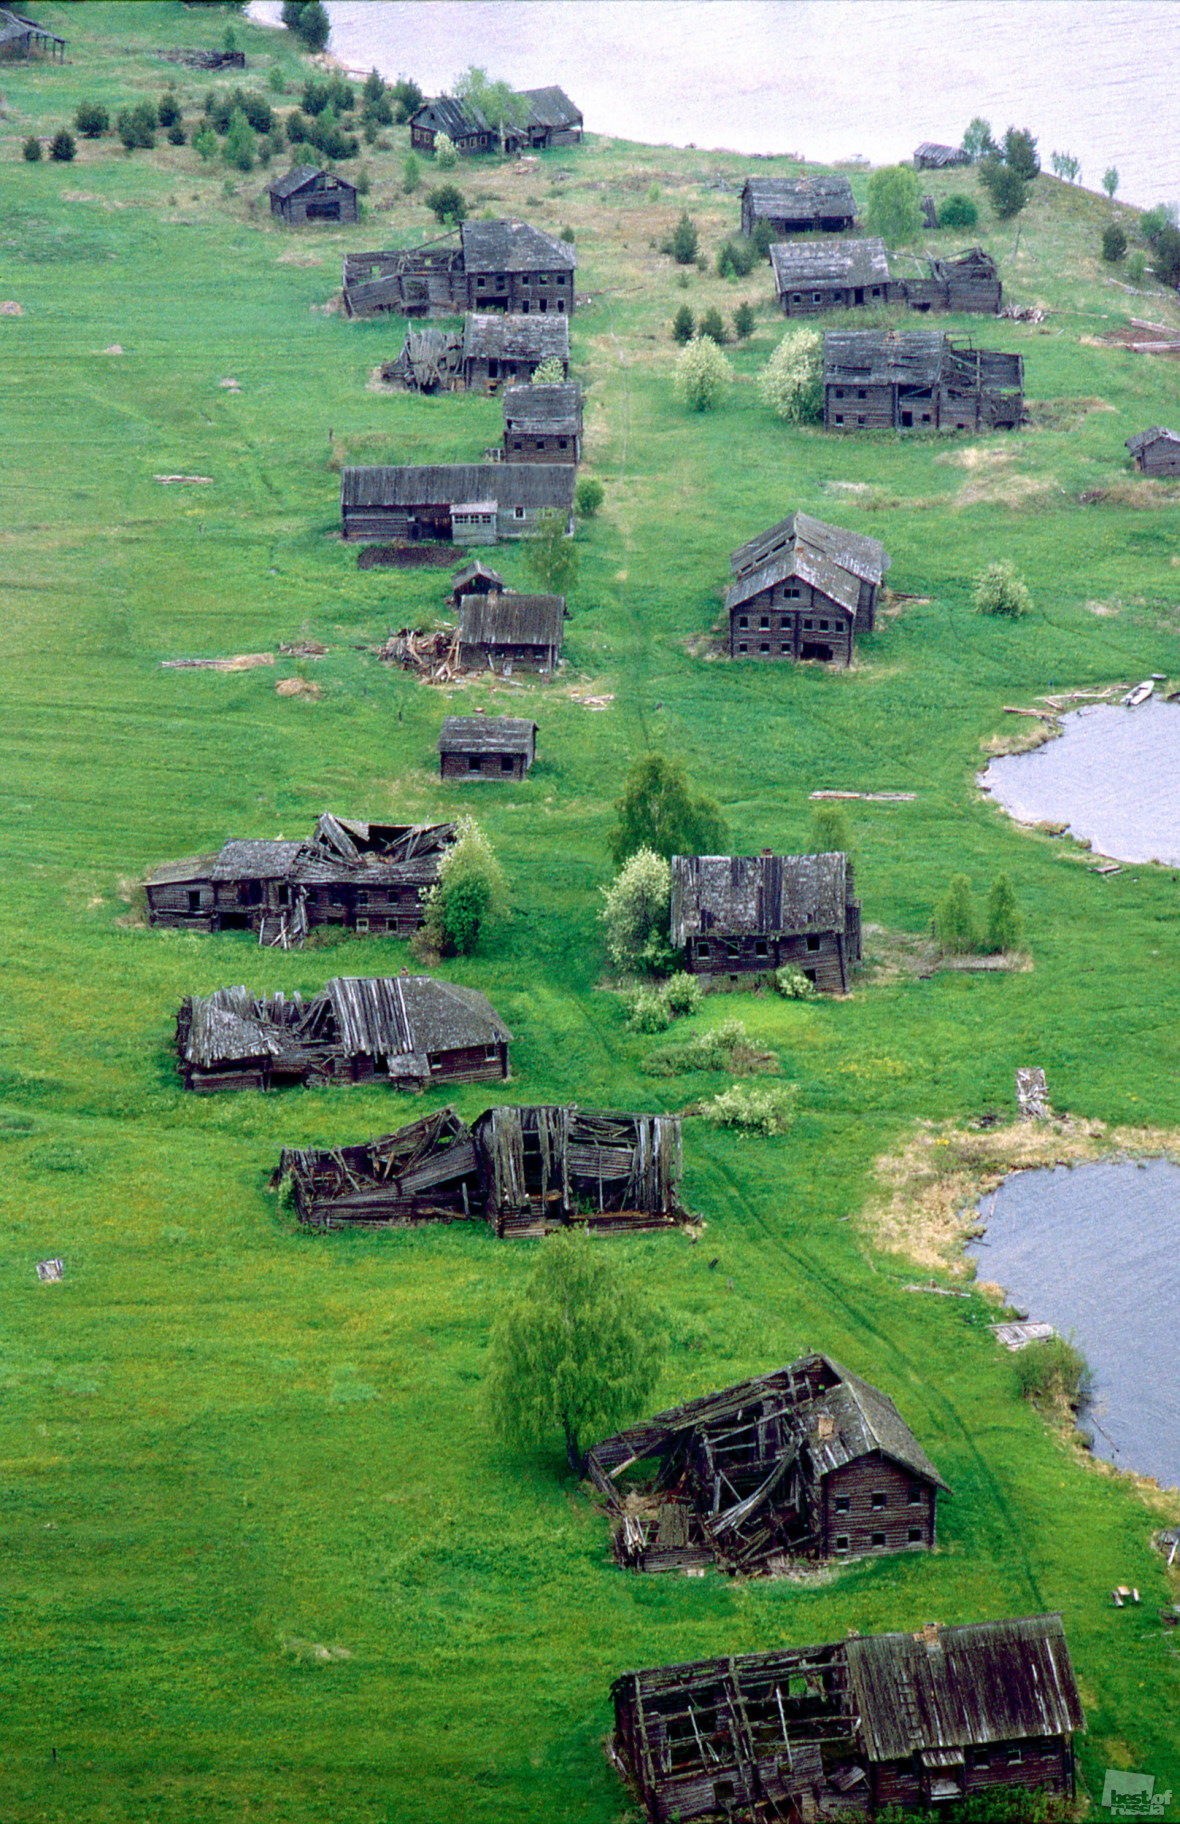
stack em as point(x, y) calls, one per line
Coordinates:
point(264, 1557)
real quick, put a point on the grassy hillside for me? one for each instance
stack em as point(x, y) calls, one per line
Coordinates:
point(265, 1559)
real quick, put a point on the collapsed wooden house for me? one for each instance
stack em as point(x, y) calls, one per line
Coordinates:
point(307, 194)
point(843, 1729)
point(811, 276)
point(1155, 452)
point(802, 590)
point(465, 503)
point(487, 352)
point(21, 37)
point(969, 282)
point(483, 266)
point(501, 630)
point(918, 379)
point(930, 156)
point(807, 1462)
point(820, 204)
point(364, 877)
point(409, 1029)
point(551, 120)
point(523, 1170)
point(542, 424)
point(431, 361)
point(742, 915)
point(486, 747)
point(465, 125)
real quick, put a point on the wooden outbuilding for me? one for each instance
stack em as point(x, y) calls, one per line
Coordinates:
point(807, 1462)
point(463, 123)
point(743, 915)
point(918, 379)
point(525, 1171)
point(503, 631)
point(364, 877)
point(552, 120)
point(811, 276)
point(409, 1029)
point(21, 37)
point(468, 503)
point(969, 282)
point(822, 204)
point(542, 424)
point(307, 194)
point(475, 578)
point(507, 349)
point(496, 265)
point(486, 747)
point(930, 156)
point(1155, 452)
point(802, 590)
point(843, 1729)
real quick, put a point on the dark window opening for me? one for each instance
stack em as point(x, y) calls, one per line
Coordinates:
point(915, 1535)
point(761, 949)
point(474, 763)
point(813, 944)
point(506, 763)
point(841, 1542)
point(879, 1498)
point(194, 899)
point(843, 1502)
point(915, 1495)
point(878, 1539)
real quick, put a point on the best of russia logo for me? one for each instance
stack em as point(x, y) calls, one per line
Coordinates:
point(1133, 1795)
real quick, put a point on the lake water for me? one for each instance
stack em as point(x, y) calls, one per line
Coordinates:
point(1113, 775)
point(1095, 1251)
point(830, 79)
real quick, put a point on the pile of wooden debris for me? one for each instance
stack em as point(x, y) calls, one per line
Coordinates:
point(434, 655)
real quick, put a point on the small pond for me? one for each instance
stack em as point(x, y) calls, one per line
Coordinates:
point(1112, 775)
point(1095, 1251)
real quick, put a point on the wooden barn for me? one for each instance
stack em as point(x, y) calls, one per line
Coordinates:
point(497, 265)
point(542, 424)
point(810, 276)
point(503, 631)
point(468, 503)
point(462, 122)
point(802, 590)
point(552, 120)
point(822, 204)
point(969, 282)
point(507, 349)
point(742, 915)
point(486, 747)
point(1155, 452)
point(807, 1462)
point(843, 1729)
point(307, 194)
point(525, 1171)
point(930, 156)
point(409, 1029)
point(918, 379)
point(475, 578)
point(364, 877)
point(21, 37)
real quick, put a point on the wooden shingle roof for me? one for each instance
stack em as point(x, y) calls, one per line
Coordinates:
point(543, 408)
point(512, 620)
point(457, 119)
point(830, 558)
point(829, 262)
point(487, 735)
point(509, 336)
point(551, 107)
point(823, 194)
point(1143, 440)
point(510, 484)
point(300, 177)
point(762, 895)
point(508, 246)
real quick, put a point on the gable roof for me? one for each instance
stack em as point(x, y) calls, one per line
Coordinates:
point(1143, 440)
point(551, 107)
point(457, 119)
point(300, 177)
point(744, 895)
point(911, 357)
point(468, 574)
point(972, 263)
point(510, 336)
point(827, 557)
point(829, 262)
point(512, 620)
point(14, 26)
point(543, 408)
point(487, 735)
point(783, 198)
point(508, 246)
point(509, 484)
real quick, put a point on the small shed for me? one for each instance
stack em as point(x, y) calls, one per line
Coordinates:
point(1155, 452)
point(462, 122)
point(543, 424)
point(552, 120)
point(821, 204)
point(486, 747)
point(743, 915)
point(21, 37)
point(802, 590)
point(307, 194)
point(811, 276)
point(501, 631)
point(507, 349)
point(475, 578)
point(930, 156)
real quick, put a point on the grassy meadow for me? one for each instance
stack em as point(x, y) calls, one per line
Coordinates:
point(264, 1557)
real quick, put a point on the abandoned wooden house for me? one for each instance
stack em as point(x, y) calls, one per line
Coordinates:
point(466, 503)
point(552, 120)
point(821, 204)
point(743, 915)
point(918, 379)
point(464, 124)
point(409, 1029)
point(810, 276)
point(930, 156)
point(496, 265)
point(502, 632)
point(1155, 452)
point(807, 1462)
point(475, 578)
point(802, 590)
point(525, 1171)
point(542, 424)
point(21, 37)
point(486, 747)
point(846, 1728)
point(486, 353)
point(364, 877)
point(969, 282)
point(307, 194)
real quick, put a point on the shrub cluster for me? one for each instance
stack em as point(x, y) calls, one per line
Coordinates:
point(1052, 1373)
point(737, 257)
point(958, 211)
point(793, 985)
point(753, 1108)
point(956, 927)
point(726, 1047)
point(1000, 590)
point(654, 1009)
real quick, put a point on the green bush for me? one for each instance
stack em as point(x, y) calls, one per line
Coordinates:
point(683, 326)
point(958, 211)
point(91, 120)
point(469, 896)
point(407, 98)
point(205, 143)
point(736, 257)
point(136, 126)
point(1005, 926)
point(726, 1047)
point(411, 173)
point(743, 320)
point(177, 135)
point(446, 203)
point(1006, 188)
point(309, 22)
point(702, 372)
point(791, 383)
point(445, 155)
point(1136, 266)
point(1000, 590)
point(31, 150)
point(588, 497)
point(683, 241)
point(1052, 1373)
point(648, 1011)
point(1114, 243)
point(831, 832)
point(659, 812)
point(240, 143)
point(793, 985)
point(712, 324)
point(682, 993)
point(954, 918)
point(168, 110)
point(567, 234)
point(1167, 256)
point(62, 147)
point(753, 1108)
point(636, 912)
point(893, 208)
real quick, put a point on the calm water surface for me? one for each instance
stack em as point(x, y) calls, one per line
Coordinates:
point(1095, 1251)
point(829, 79)
point(1113, 775)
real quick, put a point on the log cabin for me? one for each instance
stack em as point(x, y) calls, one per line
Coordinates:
point(542, 424)
point(918, 380)
point(807, 1462)
point(551, 120)
point(486, 747)
point(822, 204)
point(815, 275)
point(802, 590)
point(848, 1727)
point(1155, 452)
point(507, 349)
point(737, 916)
point(969, 282)
point(525, 1171)
point(409, 1029)
point(484, 266)
point(368, 878)
point(502, 631)
point(21, 37)
point(307, 194)
point(475, 578)
point(466, 503)
point(464, 124)
point(930, 156)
